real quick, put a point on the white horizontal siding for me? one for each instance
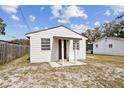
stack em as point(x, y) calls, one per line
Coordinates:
point(38, 55)
point(103, 47)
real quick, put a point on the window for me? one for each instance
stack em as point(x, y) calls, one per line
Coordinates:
point(45, 44)
point(76, 44)
point(110, 45)
point(105, 39)
point(96, 45)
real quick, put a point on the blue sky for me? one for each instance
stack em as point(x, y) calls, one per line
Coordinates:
point(78, 18)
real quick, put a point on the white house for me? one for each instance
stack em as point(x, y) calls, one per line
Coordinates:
point(109, 46)
point(57, 44)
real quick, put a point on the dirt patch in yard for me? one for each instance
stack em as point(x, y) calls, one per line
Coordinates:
point(20, 73)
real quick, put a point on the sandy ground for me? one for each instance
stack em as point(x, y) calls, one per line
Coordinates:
point(96, 73)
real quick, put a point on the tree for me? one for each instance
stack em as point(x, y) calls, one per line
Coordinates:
point(21, 41)
point(97, 33)
point(93, 34)
point(89, 35)
point(115, 28)
point(2, 27)
point(111, 29)
point(120, 21)
point(107, 29)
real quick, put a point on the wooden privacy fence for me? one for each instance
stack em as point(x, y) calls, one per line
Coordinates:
point(10, 51)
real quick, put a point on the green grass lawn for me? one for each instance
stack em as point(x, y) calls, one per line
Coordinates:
point(106, 58)
point(17, 62)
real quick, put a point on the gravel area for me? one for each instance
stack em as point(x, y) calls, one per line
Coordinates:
point(22, 74)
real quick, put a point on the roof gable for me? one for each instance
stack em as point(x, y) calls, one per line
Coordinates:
point(54, 28)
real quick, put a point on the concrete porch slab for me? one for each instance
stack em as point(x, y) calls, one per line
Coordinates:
point(57, 64)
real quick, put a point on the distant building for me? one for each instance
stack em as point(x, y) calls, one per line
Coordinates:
point(109, 46)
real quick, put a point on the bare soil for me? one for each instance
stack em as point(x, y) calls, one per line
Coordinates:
point(100, 71)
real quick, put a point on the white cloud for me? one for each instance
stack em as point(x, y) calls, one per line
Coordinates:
point(106, 21)
point(74, 11)
point(97, 23)
point(118, 9)
point(107, 13)
point(9, 8)
point(14, 17)
point(62, 21)
point(41, 8)
point(32, 18)
point(65, 13)
point(22, 26)
point(88, 23)
point(79, 27)
point(56, 11)
point(36, 28)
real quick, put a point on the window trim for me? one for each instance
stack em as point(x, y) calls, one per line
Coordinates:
point(78, 44)
point(110, 46)
point(45, 42)
point(96, 45)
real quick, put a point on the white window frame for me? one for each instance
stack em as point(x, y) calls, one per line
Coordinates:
point(96, 45)
point(77, 44)
point(110, 45)
point(45, 43)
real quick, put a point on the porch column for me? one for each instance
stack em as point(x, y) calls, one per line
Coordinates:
point(71, 57)
point(75, 53)
point(62, 41)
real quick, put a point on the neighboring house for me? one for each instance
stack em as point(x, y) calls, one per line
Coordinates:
point(57, 44)
point(109, 46)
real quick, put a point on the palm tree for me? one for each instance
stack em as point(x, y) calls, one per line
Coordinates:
point(2, 27)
